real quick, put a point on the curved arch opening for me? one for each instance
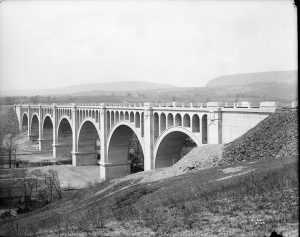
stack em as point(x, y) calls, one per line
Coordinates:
point(126, 115)
point(195, 123)
point(178, 120)
point(125, 149)
point(117, 116)
point(24, 123)
point(34, 131)
point(163, 122)
point(172, 148)
point(64, 139)
point(121, 115)
point(47, 134)
point(170, 120)
point(156, 126)
point(88, 145)
point(131, 117)
point(137, 120)
point(204, 129)
point(186, 121)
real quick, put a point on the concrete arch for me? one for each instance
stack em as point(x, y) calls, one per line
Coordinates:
point(47, 133)
point(186, 121)
point(170, 144)
point(24, 122)
point(178, 120)
point(121, 115)
point(131, 117)
point(118, 143)
point(163, 122)
point(88, 141)
point(34, 126)
point(64, 135)
point(170, 120)
point(137, 120)
point(195, 123)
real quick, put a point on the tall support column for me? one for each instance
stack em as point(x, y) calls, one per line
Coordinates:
point(40, 127)
point(148, 137)
point(103, 143)
point(29, 122)
point(75, 124)
point(54, 130)
point(214, 125)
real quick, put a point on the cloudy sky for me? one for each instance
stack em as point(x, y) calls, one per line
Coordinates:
point(50, 44)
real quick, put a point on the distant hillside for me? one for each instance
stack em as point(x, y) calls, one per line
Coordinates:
point(245, 79)
point(109, 86)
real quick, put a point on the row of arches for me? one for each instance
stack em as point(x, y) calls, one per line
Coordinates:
point(136, 118)
point(124, 144)
point(163, 122)
point(85, 113)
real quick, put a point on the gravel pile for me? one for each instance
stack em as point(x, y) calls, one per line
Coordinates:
point(275, 136)
point(202, 157)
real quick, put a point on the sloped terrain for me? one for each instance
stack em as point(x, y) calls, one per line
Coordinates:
point(276, 136)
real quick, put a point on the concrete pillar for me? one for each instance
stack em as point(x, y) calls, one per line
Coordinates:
point(54, 130)
point(75, 124)
point(40, 127)
point(29, 122)
point(148, 137)
point(214, 125)
point(103, 143)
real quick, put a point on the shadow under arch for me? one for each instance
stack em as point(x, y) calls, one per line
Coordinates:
point(47, 133)
point(34, 128)
point(88, 140)
point(172, 144)
point(125, 147)
point(64, 138)
point(24, 122)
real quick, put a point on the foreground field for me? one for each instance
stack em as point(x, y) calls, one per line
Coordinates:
point(251, 199)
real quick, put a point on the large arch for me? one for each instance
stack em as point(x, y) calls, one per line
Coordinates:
point(64, 138)
point(24, 122)
point(34, 128)
point(47, 133)
point(125, 147)
point(88, 144)
point(172, 145)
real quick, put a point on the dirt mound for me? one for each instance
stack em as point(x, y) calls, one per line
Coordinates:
point(202, 157)
point(275, 136)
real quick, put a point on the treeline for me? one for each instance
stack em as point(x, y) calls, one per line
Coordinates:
point(255, 92)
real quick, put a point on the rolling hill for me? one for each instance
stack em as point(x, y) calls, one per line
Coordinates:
point(246, 79)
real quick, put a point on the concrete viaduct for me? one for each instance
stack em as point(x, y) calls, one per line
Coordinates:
point(100, 134)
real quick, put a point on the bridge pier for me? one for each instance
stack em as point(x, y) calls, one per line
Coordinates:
point(62, 150)
point(45, 144)
point(114, 170)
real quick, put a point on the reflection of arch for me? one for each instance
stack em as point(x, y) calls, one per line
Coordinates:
point(204, 129)
point(170, 120)
point(34, 131)
point(118, 142)
point(178, 120)
point(195, 123)
point(88, 141)
point(24, 122)
point(186, 121)
point(170, 144)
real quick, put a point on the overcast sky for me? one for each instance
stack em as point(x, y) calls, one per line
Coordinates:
point(184, 43)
